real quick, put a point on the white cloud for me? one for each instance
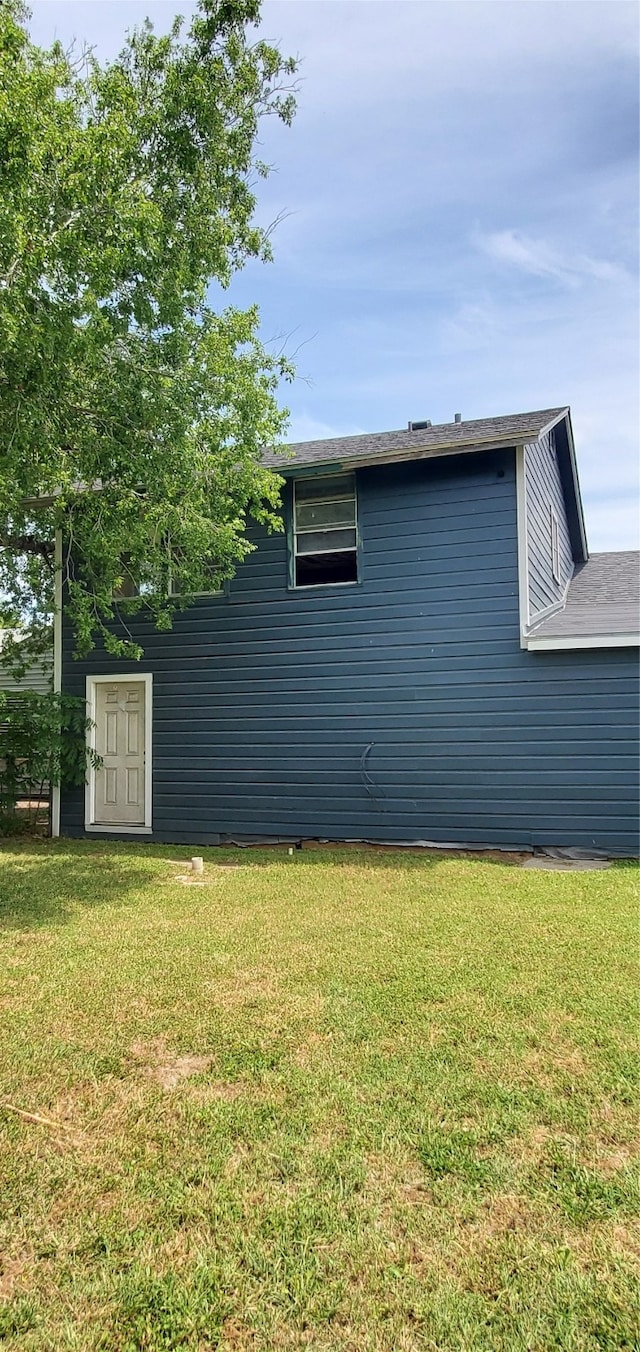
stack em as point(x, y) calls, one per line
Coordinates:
point(541, 259)
point(361, 49)
point(303, 427)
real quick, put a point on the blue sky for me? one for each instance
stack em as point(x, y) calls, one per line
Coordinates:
point(459, 191)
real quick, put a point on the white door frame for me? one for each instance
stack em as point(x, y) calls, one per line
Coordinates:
point(90, 823)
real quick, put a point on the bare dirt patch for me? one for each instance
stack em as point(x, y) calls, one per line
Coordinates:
point(392, 1185)
point(166, 1070)
point(545, 1065)
point(505, 1213)
point(236, 1337)
point(11, 1269)
point(169, 1073)
point(416, 1194)
point(593, 1249)
point(56, 1128)
point(156, 1062)
point(246, 988)
point(608, 1156)
point(307, 1052)
point(212, 871)
point(627, 1238)
point(530, 1150)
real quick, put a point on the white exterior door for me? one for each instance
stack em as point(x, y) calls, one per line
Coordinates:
point(119, 786)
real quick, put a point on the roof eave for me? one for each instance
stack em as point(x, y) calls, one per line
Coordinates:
point(293, 466)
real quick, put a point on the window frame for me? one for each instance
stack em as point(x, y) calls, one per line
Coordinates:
point(134, 594)
point(293, 532)
point(555, 545)
point(220, 591)
point(141, 595)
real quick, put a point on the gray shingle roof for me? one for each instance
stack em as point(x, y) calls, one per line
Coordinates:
point(512, 429)
point(603, 599)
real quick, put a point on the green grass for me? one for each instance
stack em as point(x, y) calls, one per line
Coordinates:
point(346, 1100)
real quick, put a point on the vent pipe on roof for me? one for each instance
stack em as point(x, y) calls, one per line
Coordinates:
point(419, 426)
point(457, 417)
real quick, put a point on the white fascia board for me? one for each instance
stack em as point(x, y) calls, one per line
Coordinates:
point(568, 641)
point(576, 484)
point(50, 499)
point(548, 427)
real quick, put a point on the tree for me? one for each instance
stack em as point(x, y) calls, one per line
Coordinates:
point(132, 414)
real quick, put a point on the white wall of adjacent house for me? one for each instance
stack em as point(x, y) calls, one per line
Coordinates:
point(38, 676)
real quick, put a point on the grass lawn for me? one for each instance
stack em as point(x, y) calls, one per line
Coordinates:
point(346, 1100)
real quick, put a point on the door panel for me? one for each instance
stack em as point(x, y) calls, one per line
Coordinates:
point(120, 724)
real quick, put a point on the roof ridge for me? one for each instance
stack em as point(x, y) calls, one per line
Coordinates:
point(420, 432)
point(510, 429)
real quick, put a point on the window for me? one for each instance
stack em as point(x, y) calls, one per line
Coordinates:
point(176, 585)
point(128, 586)
point(131, 586)
point(555, 547)
point(325, 531)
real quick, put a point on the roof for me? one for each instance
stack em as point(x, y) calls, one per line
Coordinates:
point(478, 434)
point(603, 601)
point(510, 430)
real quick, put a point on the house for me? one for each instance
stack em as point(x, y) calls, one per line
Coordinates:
point(20, 787)
point(427, 654)
point(38, 675)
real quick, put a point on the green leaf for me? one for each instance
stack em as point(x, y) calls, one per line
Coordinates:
point(133, 410)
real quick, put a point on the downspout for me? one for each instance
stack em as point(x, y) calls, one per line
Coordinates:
point(57, 666)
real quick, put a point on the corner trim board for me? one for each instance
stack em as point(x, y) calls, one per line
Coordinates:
point(523, 545)
point(89, 796)
point(57, 665)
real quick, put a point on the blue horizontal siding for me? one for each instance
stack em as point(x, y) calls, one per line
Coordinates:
point(266, 700)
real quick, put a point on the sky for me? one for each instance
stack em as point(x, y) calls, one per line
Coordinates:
point(457, 204)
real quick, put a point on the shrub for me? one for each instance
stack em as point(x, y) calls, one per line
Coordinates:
point(42, 742)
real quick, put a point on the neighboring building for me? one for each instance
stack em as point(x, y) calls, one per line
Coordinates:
point(426, 654)
point(38, 675)
point(36, 679)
